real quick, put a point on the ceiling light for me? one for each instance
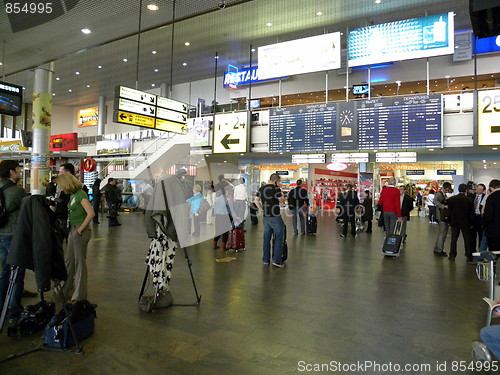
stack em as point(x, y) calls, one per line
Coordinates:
point(156, 70)
point(495, 162)
point(184, 64)
point(86, 31)
point(99, 66)
point(152, 85)
point(187, 44)
point(494, 148)
point(431, 149)
point(269, 24)
point(216, 57)
point(77, 73)
point(125, 60)
point(253, 50)
point(1, 63)
point(152, 7)
point(484, 161)
point(53, 94)
point(88, 86)
point(378, 1)
point(70, 90)
point(57, 78)
point(319, 13)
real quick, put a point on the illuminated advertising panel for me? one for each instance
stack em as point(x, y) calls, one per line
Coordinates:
point(402, 40)
point(88, 117)
point(64, 142)
point(313, 54)
point(488, 125)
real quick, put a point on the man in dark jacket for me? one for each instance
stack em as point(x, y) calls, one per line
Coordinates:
point(406, 208)
point(113, 197)
point(491, 216)
point(368, 211)
point(348, 204)
point(298, 203)
point(461, 211)
point(10, 174)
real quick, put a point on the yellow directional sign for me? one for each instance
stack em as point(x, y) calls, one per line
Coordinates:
point(488, 127)
point(170, 126)
point(230, 133)
point(134, 119)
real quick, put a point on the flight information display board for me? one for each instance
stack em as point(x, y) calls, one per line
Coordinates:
point(305, 128)
point(400, 123)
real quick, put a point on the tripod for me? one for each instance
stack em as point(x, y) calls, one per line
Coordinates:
point(198, 297)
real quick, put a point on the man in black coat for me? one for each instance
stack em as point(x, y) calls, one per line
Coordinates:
point(491, 216)
point(461, 209)
point(348, 203)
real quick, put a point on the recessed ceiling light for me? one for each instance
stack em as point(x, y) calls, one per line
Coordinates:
point(269, 24)
point(187, 44)
point(253, 50)
point(125, 60)
point(88, 86)
point(57, 78)
point(77, 73)
point(1, 63)
point(494, 148)
point(53, 94)
point(152, 85)
point(216, 57)
point(319, 13)
point(431, 149)
point(156, 70)
point(378, 1)
point(484, 161)
point(70, 90)
point(152, 7)
point(86, 31)
point(184, 64)
point(99, 66)
point(153, 52)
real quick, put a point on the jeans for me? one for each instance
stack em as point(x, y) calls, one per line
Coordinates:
point(273, 224)
point(390, 219)
point(490, 336)
point(443, 232)
point(17, 293)
point(298, 211)
point(432, 214)
point(484, 244)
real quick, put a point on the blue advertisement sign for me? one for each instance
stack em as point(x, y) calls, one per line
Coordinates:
point(446, 172)
point(418, 172)
point(235, 76)
point(488, 45)
point(402, 40)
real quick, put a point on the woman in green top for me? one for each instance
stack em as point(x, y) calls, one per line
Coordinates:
point(80, 215)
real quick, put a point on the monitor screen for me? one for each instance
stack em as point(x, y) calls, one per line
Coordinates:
point(255, 103)
point(11, 99)
point(360, 89)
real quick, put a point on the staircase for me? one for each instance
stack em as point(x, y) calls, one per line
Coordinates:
point(155, 159)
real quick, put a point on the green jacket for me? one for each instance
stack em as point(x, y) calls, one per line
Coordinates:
point(13, 196)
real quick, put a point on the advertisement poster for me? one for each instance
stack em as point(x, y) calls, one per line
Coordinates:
point(64, 142)
point(122, 146)
point(42, 110)
point(199, 127)
point(88, 117)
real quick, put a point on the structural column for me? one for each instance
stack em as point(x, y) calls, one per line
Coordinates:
point(42, 121)
point(102, 115)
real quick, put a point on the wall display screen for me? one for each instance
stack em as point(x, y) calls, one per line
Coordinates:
point(313, 54)
point(11, 99)
point(121, 146)
point(306, 128)
point(402, 40)
point(488, 126)
point(360, 89)
point(400, 123)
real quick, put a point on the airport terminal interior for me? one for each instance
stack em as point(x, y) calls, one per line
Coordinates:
point(218, 93)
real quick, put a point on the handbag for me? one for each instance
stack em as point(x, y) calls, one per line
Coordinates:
point(444, 215)
point(158, 301)
point(204, 207)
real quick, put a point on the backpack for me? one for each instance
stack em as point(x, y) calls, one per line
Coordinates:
point(4, 214)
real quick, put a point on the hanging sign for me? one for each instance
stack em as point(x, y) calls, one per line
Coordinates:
point(488, 127)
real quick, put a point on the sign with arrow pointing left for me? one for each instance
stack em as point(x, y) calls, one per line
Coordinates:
point(230, 133)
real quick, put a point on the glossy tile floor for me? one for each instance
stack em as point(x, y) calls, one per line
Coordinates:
point(338, 302)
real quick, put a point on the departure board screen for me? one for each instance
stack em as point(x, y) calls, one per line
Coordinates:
point(400, 123)
point(306, 128)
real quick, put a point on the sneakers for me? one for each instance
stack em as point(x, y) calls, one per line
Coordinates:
point(279, 265)
point(440, 253)
point(265, 263)
point(342, 235)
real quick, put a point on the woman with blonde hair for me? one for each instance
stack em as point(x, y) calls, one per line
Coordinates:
point(81, 214)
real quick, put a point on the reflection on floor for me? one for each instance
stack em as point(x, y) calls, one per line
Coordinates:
point(338, 301)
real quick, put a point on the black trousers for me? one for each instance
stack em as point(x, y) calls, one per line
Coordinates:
point(455, 233)
point(476, 232)
point(352, 221)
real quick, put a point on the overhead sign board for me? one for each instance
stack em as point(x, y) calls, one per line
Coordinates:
point(415, 172)
point(488, 45)
point(134, 119)
point(309, 158)
point(230, 133)
point(235, 76)
point(134, 107)
point(402, 40)
point(488, 124)
point(313, 54)
point(356, 157)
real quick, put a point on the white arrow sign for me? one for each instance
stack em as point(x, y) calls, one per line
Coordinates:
point(138, 96)
point(166, 114)
point(130, 106)
point(172, 104)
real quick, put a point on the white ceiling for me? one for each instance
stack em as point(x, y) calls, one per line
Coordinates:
point(228, 32)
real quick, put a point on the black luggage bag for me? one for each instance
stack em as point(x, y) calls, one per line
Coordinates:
point(393, 242)
point(312, 224)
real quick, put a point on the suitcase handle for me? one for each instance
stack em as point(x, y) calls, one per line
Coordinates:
point(398, 227)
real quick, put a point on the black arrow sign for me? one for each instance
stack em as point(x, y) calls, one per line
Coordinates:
point(123, 116)
point(226, 141)
point(183, 129)
point(152, 111)
point(152, 100)
point(184, 118)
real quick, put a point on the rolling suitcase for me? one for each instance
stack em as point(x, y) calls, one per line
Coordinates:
point(312, 224)
point(236, 240)
point(393, 242)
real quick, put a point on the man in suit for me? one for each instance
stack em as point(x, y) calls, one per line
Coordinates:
point(349, 202)
point(440, 202)
point(461, 211)
point(491, 216)
point(477, 228)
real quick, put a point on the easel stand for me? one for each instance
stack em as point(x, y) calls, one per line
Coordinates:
point(58, 292)
point(189, 264)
